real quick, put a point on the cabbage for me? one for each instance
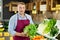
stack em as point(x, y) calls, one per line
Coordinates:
point(46, 25)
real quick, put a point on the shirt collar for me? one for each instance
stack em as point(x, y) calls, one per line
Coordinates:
point(20, 15)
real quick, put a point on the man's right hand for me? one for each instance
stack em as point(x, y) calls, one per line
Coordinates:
point(21, 34)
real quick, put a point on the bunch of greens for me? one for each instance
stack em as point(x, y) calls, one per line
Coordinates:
point(48, 26)
point(54, 31)
point(30, 30)
point(6, 25)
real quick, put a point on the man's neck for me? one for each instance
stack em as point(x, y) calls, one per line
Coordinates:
point(22, 15)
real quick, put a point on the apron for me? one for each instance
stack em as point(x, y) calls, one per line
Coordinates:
point(19, 28)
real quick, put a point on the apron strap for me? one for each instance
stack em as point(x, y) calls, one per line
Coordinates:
point(17, 17)
point(26, 17)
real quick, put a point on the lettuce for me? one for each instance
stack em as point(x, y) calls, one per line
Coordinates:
point(46, 25)
point(30, 30)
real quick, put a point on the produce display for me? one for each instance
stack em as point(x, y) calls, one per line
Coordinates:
point(48, 27)
point(1, 27)
point(6, 26)
point(39, 38)
point(37, 32)
point(54, 31)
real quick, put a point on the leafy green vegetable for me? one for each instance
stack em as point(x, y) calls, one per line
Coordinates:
point(50, 24)
point(30, 30)
point(42, 26)
point(46, 26)
point(6, 25)
point(54, 31)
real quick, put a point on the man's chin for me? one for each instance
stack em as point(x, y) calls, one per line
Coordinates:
point(21, 12)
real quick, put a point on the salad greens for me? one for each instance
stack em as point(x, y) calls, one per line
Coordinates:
point(30, 30)
point(54, 31)
point(48, 26)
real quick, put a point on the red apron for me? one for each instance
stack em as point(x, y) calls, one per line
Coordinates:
point(19, 28)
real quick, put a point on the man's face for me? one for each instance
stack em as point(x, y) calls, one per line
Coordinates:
point(21, 8)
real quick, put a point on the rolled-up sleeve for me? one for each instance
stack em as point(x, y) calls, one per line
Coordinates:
point(11, 26)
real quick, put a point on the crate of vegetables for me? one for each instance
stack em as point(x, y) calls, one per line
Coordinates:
point(31, 31)
point(48, 28)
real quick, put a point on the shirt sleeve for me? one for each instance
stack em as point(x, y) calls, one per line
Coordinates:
point(11, 26)
point(31, 21)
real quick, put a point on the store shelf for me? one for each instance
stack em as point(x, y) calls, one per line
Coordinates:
point(5, 36)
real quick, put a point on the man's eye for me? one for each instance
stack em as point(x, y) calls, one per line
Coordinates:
point(23, 7)
point(19, 7)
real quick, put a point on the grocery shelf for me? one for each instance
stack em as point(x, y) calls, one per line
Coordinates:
point(5, 36)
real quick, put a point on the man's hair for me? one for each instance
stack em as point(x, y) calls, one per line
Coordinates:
point(21, 3)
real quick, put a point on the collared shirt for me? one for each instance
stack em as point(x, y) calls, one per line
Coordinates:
point(13, 22)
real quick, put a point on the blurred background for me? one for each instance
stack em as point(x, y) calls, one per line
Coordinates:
point(38, 9)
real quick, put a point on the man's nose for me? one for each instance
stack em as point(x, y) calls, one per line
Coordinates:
point(21, 8)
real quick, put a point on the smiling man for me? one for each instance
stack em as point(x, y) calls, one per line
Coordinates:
point(18, 22)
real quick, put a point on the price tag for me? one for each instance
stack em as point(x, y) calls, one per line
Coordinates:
point(11, 38)
point(2, 38)
point(0, 33)
point(6, 34)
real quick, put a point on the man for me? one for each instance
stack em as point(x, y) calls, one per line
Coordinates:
point(18, 22)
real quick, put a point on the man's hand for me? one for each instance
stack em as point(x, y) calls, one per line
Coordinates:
point(24, 34)
point(21, 34)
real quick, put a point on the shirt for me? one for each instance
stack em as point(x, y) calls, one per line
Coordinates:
point(13, 22)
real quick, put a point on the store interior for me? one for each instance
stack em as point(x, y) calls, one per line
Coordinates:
point(38, 9)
